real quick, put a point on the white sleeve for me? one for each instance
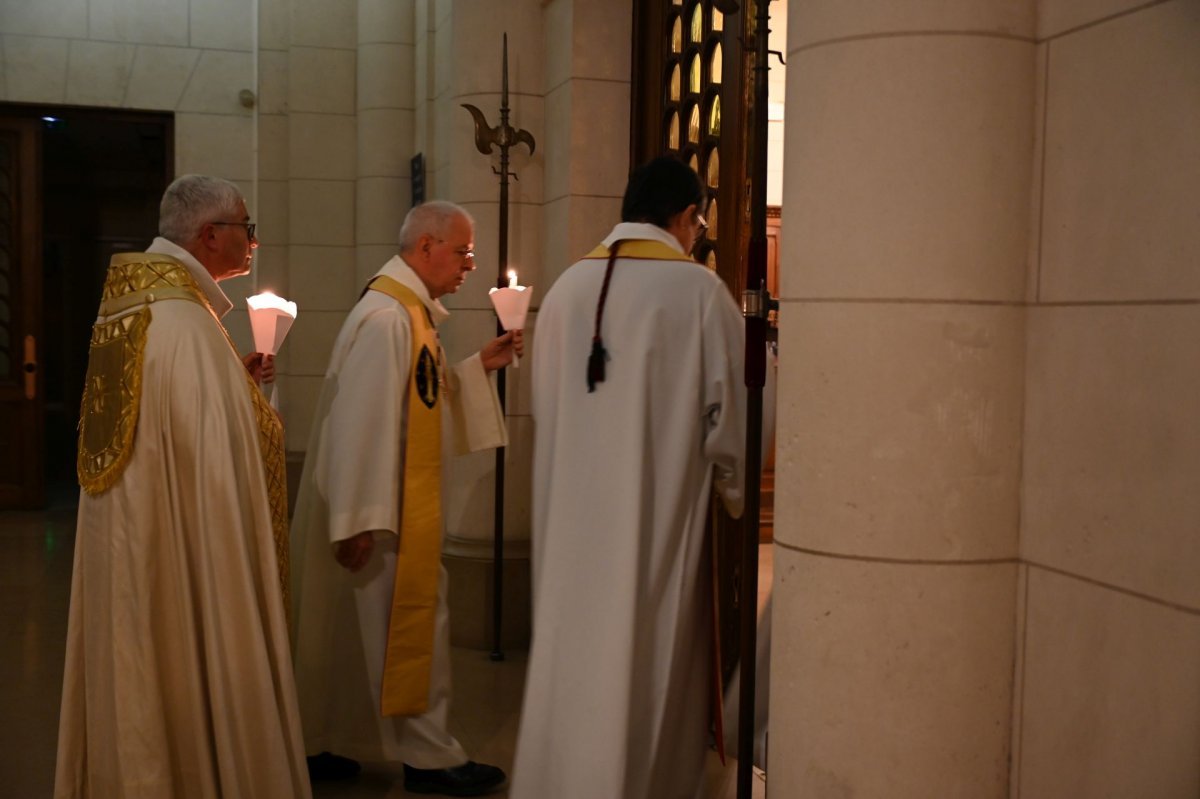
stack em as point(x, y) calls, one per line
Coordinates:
point(362, 439)
point(725, 397)
point(477, 420)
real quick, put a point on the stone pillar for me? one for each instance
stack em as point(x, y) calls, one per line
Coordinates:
point(568, 70)
point(459, 61)
point(909, 141)
point(385, 103)
point(321, 186)
point(587, 85)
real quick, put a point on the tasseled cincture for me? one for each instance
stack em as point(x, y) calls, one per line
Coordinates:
point(595, 364)
point(595, 369)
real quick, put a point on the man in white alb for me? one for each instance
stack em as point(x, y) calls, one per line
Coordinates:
point(638, 401)
point(372, 626)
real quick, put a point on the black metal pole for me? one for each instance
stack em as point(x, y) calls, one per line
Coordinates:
point(755, 306)
point(504, 136)
point(501, 384)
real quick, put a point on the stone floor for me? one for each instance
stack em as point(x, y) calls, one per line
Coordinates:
point(35, 581)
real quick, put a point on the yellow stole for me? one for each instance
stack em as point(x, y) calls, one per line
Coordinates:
point(409, 654)
point(112, 390)
point(642, 250)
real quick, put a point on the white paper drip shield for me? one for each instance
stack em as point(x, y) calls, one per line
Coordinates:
point(271, 318)
point(511, 304)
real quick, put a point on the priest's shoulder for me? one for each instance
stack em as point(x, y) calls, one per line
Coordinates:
point(374, 317)
point(184, 318)
point(377, 310)
point(184, 335)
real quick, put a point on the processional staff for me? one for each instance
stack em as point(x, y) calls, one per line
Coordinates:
point(503, 136)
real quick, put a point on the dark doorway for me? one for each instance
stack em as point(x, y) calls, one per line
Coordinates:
point(102, 174)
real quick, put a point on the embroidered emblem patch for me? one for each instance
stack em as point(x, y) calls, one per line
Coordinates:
point(427, 377)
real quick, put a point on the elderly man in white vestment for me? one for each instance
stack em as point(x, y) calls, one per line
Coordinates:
point(638, 401)
point(372, 636)
point(178, 679)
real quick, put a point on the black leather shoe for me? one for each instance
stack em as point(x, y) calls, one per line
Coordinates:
point(469, 779)
point(326, 766)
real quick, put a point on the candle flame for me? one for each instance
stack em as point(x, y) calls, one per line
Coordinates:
point(269, 299)
point(512, 278)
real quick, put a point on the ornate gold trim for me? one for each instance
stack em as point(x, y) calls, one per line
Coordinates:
point(274, 458)
point(111, 399)
point(139, 271)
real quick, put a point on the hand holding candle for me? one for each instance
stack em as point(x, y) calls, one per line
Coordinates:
point(271, 318)
point(511, 304)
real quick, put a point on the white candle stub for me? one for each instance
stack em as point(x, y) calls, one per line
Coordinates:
point(271, 318)
point(512, 278)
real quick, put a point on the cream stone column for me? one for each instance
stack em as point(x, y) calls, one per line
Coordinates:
point(569, 86)
point(386, 120)
point(458, 60)
point(909, 141)
point(587, 85)
point(322, 171)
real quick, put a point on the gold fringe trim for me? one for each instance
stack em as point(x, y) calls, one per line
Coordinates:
point(271, 446)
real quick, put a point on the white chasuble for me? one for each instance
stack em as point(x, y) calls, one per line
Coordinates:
point(353, 482)
point(178, 679)
point(617, 695)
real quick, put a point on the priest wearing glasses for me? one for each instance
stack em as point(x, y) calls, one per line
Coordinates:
point(372, 632)
point(178, 678)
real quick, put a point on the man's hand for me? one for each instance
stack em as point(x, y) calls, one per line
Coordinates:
point(499, 352)
point(261, 367)
point(353, 553)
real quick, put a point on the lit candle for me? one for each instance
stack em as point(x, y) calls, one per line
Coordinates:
point(511, 304)
point(271, 318)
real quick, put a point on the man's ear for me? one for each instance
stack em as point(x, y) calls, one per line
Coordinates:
point(684, 217)
point(208, 236)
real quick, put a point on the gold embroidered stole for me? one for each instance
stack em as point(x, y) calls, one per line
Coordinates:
point(409, 656)
point(113, 387)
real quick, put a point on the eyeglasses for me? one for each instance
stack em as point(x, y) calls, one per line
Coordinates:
point(465, 253)
point(703, 222)
point(248, 225)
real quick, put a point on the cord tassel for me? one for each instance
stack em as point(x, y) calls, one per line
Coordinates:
point(595, 364)
point(595, 367)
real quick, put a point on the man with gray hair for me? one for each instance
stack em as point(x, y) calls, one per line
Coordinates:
point(372, 634)
point(178, 680)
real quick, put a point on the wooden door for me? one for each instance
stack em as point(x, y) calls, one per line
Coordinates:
point(690, 74)
point(689, 99)
point(22, 410)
